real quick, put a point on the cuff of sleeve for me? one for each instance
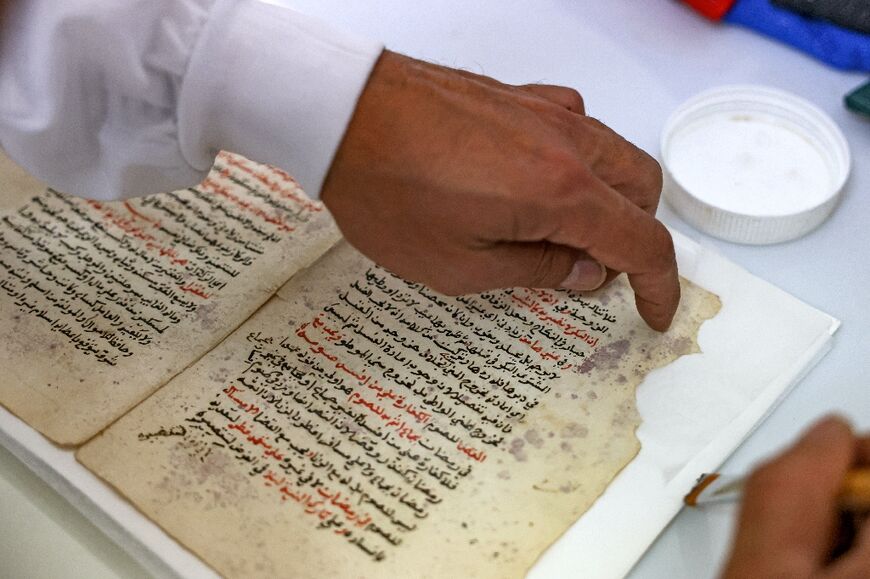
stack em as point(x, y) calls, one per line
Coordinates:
point(273, 85)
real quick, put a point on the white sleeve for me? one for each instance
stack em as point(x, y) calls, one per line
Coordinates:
point(111, 99)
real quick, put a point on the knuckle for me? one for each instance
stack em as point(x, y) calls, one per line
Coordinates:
point(637, 173)
point(664, 243)
point(652, 179)
point(623, 163)
point(567, 174)
point(574, 100)
point(593, 123)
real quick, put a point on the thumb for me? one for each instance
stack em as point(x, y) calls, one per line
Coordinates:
point(538, 264)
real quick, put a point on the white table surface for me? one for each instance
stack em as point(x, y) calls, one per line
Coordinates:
point(634, 61)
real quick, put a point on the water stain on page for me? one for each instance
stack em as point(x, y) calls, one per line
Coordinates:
point(607, 357)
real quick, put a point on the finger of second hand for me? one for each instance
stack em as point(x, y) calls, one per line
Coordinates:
point(856, 561)
point(864, 451)
point(624, 237)
point(789, 504)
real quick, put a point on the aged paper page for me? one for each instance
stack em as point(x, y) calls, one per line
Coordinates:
point(101, 303)
point(17, 186)
point(363, 426)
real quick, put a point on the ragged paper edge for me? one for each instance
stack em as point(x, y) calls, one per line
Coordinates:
point(712, 306)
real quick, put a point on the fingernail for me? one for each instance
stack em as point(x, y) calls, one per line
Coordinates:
point(826, 428)
point(587, 274)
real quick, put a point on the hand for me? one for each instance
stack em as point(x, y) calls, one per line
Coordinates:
point(789, 513)
point(466, 184)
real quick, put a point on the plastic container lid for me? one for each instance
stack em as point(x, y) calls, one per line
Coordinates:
point(753, 164)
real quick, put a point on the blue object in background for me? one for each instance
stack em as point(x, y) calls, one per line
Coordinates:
point(839, 47)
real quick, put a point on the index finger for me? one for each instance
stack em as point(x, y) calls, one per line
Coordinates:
point(622, 236)
point(626, 168)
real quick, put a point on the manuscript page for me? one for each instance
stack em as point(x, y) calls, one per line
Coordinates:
point(363, 426)
point(16, 185)
point(102, 303)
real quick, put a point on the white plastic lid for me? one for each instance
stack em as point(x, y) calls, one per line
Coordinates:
point(753, 164)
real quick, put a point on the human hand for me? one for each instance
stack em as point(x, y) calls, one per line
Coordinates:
point(789, 515)
point(466, 184)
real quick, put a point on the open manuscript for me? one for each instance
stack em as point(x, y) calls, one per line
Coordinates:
point(284, 407)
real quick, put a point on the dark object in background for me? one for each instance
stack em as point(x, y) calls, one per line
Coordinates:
point(835, 45)
point(832, 44)
point(859, 99)
point(853, 14)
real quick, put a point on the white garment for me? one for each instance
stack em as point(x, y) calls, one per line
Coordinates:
point(116, 98)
